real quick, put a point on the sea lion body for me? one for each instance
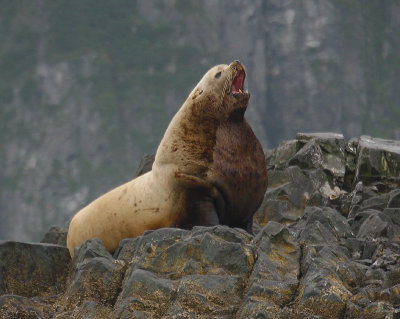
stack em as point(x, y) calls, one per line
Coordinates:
point(209, 169)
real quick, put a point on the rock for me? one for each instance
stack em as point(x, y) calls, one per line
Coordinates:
point(95, 276)
point(207, 250)
point(375, 224)
point(279, 158)
point(89, 309)
point(32, 269)
point(322, 150)
point(312, 150)
point(394, 199)
point(56, 235)
point(147, 292)
point(324, 138)
point(18, 307)
point(202, 271)
point(276, 271)
point(351, 155)
point(394, 214)
point(322, 291)
point(378, 160)
point(145, 165)
point(377, 202)
point(130, 247)
point(288, 193)
point(322, 225)
point(216, 295)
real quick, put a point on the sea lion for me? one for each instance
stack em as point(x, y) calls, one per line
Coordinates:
point(209, 169)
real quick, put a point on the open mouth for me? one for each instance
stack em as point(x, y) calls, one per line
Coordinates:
point(237, 83)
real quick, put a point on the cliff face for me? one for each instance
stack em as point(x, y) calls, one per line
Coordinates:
point(87, 87)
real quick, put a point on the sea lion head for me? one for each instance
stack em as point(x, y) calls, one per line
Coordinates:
point(218, 98)
point(222, 87)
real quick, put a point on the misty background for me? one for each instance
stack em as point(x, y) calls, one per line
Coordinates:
point(88, 87)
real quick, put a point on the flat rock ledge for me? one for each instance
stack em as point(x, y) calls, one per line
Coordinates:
point(326, 244)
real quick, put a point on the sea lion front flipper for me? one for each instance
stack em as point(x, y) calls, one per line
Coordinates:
point(202, 212)
point(208, 203)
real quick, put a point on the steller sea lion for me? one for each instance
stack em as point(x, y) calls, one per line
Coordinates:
point(209, 169)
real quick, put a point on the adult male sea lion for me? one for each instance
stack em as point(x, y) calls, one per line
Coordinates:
point(209, 169)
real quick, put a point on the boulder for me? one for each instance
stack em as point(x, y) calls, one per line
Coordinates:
point(378, 160)
point(145, 165)
point(56, 235)
point(33, 269)
point(95, 276)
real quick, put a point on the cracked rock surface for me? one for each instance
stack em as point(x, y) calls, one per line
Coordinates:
point(325, 245)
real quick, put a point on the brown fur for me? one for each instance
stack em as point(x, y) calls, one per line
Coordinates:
point(209, 169)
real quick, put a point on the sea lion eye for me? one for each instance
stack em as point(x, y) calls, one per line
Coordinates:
point(217, 75)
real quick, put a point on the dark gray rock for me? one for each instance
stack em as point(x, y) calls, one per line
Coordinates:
point(378, 160)
point(279, 157)
point(176, 271)
point(32, 269)
point(329, 139)
point(361, 249)
point(89, 309)
point(163, 238)
point(90, 249)
point(145, 165)
point(322, 150)
point(351, 156)
point(322, 225)
point(376, 310)
point(147, 292)
point(288, 193)
point(56, 235)
point(377, 202)
point(309, 156)
point(234, 235)
point(365, 193)
point(95, 276)
point(394, 214)
point(394, 199)
point(214, 295)
point(257, 309)
point(322, 291)
point(375, 224)
point(276, 271)
point(210, 250)
point(18, 307)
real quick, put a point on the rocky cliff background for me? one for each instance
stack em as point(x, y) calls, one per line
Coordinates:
point(88, 87)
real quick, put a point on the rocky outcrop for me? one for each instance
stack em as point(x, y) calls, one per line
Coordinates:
point(325, 245)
